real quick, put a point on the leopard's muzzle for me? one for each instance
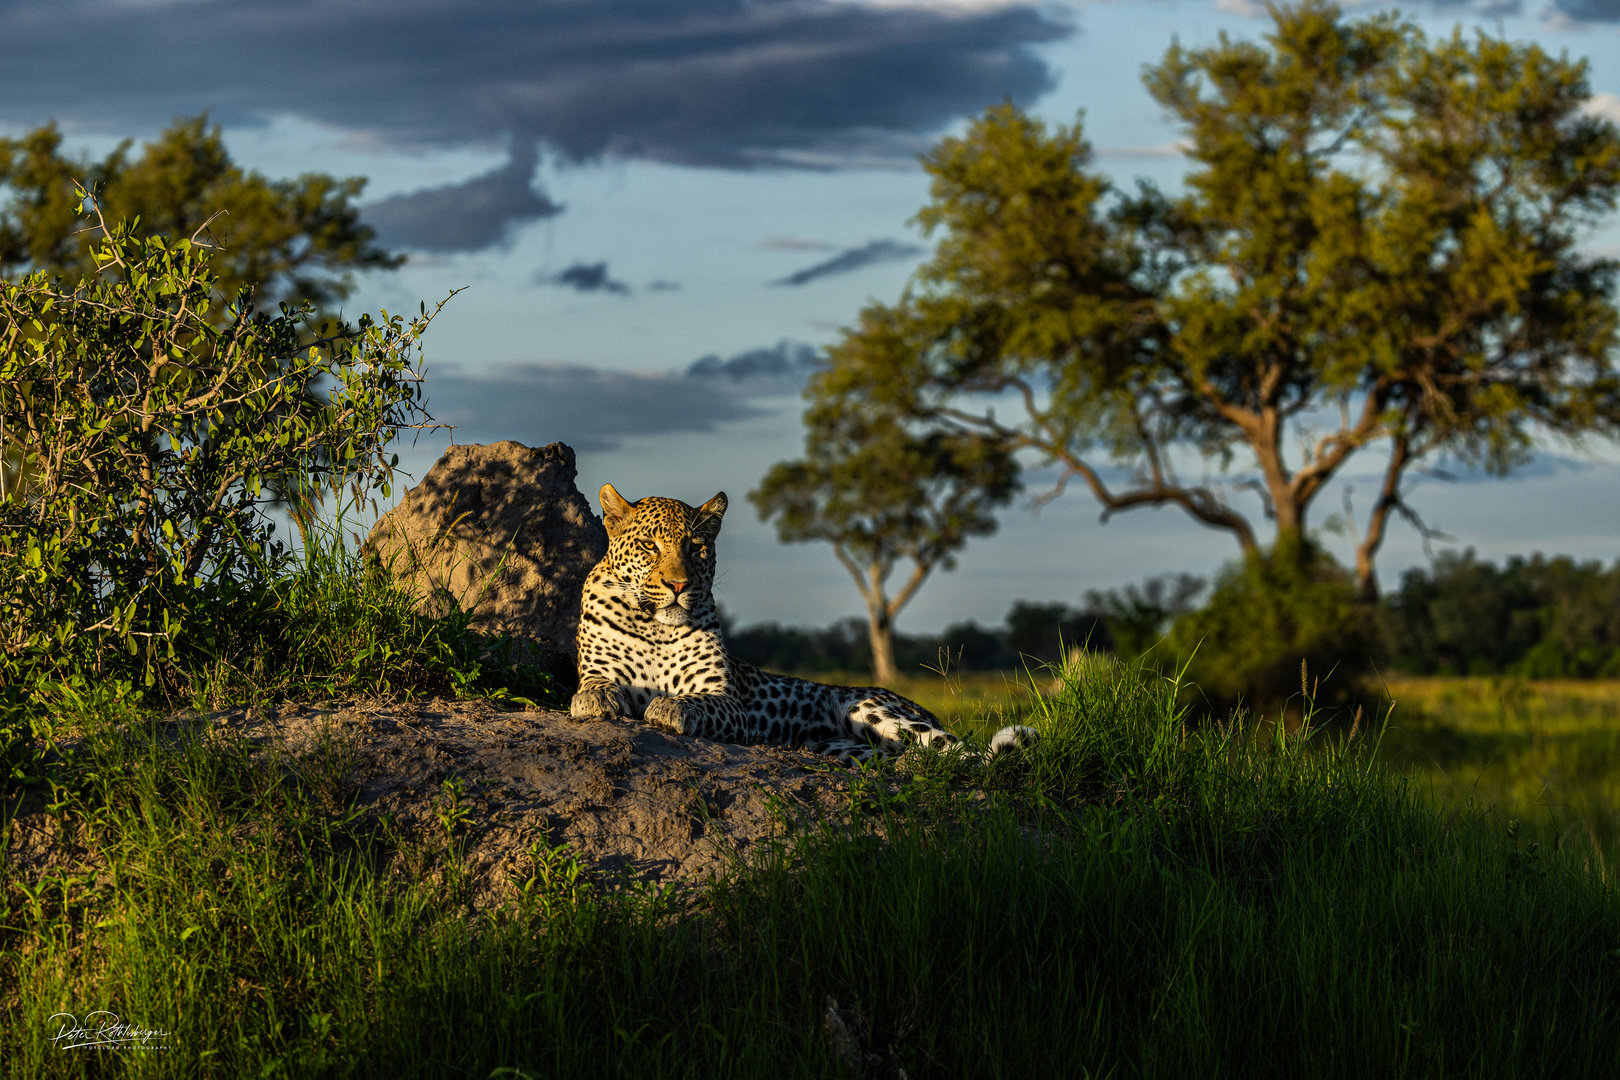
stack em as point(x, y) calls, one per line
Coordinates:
point(677, 609)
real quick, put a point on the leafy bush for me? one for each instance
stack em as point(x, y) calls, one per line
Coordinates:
point(1138, 616)
point(143, 436)
point(1041, 633)
point(1266, 615)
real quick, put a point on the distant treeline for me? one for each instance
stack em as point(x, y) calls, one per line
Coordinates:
point(1128, 620)
point(1537, 617)
point(1542, 618)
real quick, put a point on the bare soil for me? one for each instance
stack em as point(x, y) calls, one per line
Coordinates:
point(633, 801)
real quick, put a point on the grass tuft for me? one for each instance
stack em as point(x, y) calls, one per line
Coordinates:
point(335, 622)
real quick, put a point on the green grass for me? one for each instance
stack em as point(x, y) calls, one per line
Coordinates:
point(333, 621)
point(1136, 898)
point(1544, 753)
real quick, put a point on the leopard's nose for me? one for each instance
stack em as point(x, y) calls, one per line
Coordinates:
point(675, 586)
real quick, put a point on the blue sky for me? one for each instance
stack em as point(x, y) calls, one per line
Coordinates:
point(625, 187)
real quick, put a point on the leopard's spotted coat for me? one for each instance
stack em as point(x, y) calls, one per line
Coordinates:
point(650, 648)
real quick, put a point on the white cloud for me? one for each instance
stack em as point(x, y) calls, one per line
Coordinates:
point(1153, 150)
point(1604, 105)
point(1247, 9)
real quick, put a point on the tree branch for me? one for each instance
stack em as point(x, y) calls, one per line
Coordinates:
point(854, 570)
point(919, 574)
point(1331, 451)
point(1201, 503)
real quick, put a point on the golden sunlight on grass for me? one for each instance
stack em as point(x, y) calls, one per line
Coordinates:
point(1547, 753)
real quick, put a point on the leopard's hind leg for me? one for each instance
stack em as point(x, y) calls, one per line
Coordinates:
point(847, 751)
point(894, 722)
point(897, 723)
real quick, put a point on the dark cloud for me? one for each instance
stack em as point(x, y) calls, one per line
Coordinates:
point(1596, 11)
point(464, 217)
point(852, 259)
point(790, 243)
point(584, 277)
point(663, 286)
point(780, 369)
point(730, 83)
point(592, 409)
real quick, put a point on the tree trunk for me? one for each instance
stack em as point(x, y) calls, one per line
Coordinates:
point(1389, 498)
point(1283, 503)
point(880, 610)
point(880, 631)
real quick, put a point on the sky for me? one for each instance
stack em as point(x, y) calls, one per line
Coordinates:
point(658, 210)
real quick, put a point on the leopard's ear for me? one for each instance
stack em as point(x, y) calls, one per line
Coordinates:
point(617, 513)
point(708, 517)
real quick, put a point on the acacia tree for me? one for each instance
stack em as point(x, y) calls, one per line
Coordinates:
point(880, 494)
point(1376, 246)
point(292, 241)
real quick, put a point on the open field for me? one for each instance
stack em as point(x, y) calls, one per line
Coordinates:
point(1545, 753)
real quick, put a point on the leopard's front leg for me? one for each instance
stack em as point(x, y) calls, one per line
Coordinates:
point(706, 716)
point(597, 699)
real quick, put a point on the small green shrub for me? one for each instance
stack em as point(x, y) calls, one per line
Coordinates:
point(1266, 616)
point(142, 435)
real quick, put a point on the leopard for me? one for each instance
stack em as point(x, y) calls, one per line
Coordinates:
point(650, 649)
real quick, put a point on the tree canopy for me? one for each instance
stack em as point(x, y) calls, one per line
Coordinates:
point(289, 240)
point(1541, 618)
point(1376, 246)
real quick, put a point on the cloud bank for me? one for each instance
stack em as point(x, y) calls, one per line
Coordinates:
point(728, 83)
point(591, 409)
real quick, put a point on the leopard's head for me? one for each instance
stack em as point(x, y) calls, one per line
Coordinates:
point(661, 551)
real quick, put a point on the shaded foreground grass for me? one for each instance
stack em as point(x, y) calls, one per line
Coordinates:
point(1136, 898)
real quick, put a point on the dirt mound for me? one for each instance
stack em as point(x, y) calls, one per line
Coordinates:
point(503, 530)
point(635, 802)
point(628, 797)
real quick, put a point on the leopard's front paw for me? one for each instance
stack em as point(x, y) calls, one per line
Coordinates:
point(665, 712)
point(597, 703)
